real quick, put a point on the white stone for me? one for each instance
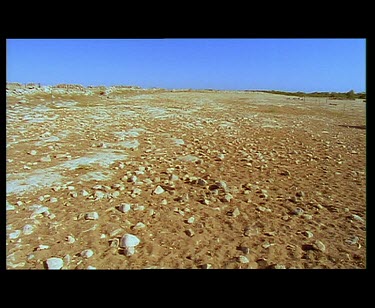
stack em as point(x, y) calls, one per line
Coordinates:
point(158, 190)
point(15, 234)
point(129, 251)
point(10, 207)
point(92, 216)
point(87, 253)
point(84, 193)
point(243, 259)
point(42, 247)
point(139, 225)
point(129, 240)
point(125, 207)
point(28, 229)
point(33, 152)
point(55, 263)
point(91, 267)
point(191, 220)
point(52, 200)
point(70, 239)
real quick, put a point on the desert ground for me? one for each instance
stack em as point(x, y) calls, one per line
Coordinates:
point(201, 179)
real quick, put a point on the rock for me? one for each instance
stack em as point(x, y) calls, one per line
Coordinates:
point(318, 245)
point(189, 232)
point(87, 253)
point(245, 249)
point(353, 240)
point(158, 190)
point(250, 231)
point(173, 177)
point(138, 226)
point(227, 198)
point(92, 216)
point(285, 172)
point(358, 218)
point(115, 243)
point(129, 251)
point(46, 159)
point(202, 182)
point(129, 240)
point(220, 157)
point(132, 179)
point(243, 259)
point(307, 216)
point(191, 220)
point(42, 247)
point(28, 229)
point(206, 266)
point(297, 211)
point(125, 207)
point(10, 207)
point(39, 210)
point(70, 239)
point(15, 234)
point(32, 152)
point(236, 212)
point(53, 200)
point(277, 266)
point(135, 191)
point(55, 263)
point(300, 194)
point(308, 234)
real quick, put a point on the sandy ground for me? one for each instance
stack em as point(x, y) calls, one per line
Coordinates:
point(250, 180)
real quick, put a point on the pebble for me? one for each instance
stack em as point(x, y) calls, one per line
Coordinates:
point(46, 159)
point(358, 218)
point(353, 240)
point(28, 229)
point(236, 212)
point(92, 216)
point(191, 220)
point(319, 246)
point(129, 251)
point(132, 179)
point(129, 240)
point(285, 172)
point(139, 208)
point(32, 152)
point(91, 267)
point(243, 259)
point(42, 247)
point(189, 232)
point(227, 198)
point(87, 253)
point(115, 243)
point(53, 200)
point(10, 207)
point(308, 234)
point(202, 182)
point(15, 234)
point(138, 226)
point(206, 266)
point(55, 263)
point(297, 211)
point(70, 239)
point(158, 190)
point(19, 203)
point(125, 207)
point(173, 177)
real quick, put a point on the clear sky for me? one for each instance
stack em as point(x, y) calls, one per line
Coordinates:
point(306, 65)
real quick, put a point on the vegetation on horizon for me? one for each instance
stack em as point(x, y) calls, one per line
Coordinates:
point(331, 95)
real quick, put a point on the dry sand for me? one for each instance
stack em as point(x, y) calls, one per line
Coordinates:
point(271, 181)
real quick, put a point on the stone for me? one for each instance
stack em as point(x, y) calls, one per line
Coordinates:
point(236, 212)
point(308, 234)
point(91, 267)
point(87, 253)
point(129, 240)
point(297, 211)
point(358, 218)
point(318, 245)
point(353, 240)
point(173, 177)
point(10, 207)
point(125, 207)
point(202, 182)
point(70, 239)
point(227, 198)
point(28, 229)
point(206, 266)
point(129, 251)
point(92, 216)
point(243, 259)
point(32, 152)
point(139, 225)
point(15, 234)
point(285, 172)
point(46, 159)
point(158, 190)
point(42, 247)
point(191, 220)
point(189, 232)
point(55, 263)
point(53, 200)
point(39, 210)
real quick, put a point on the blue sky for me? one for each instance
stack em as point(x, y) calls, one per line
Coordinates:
point(234, 64)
